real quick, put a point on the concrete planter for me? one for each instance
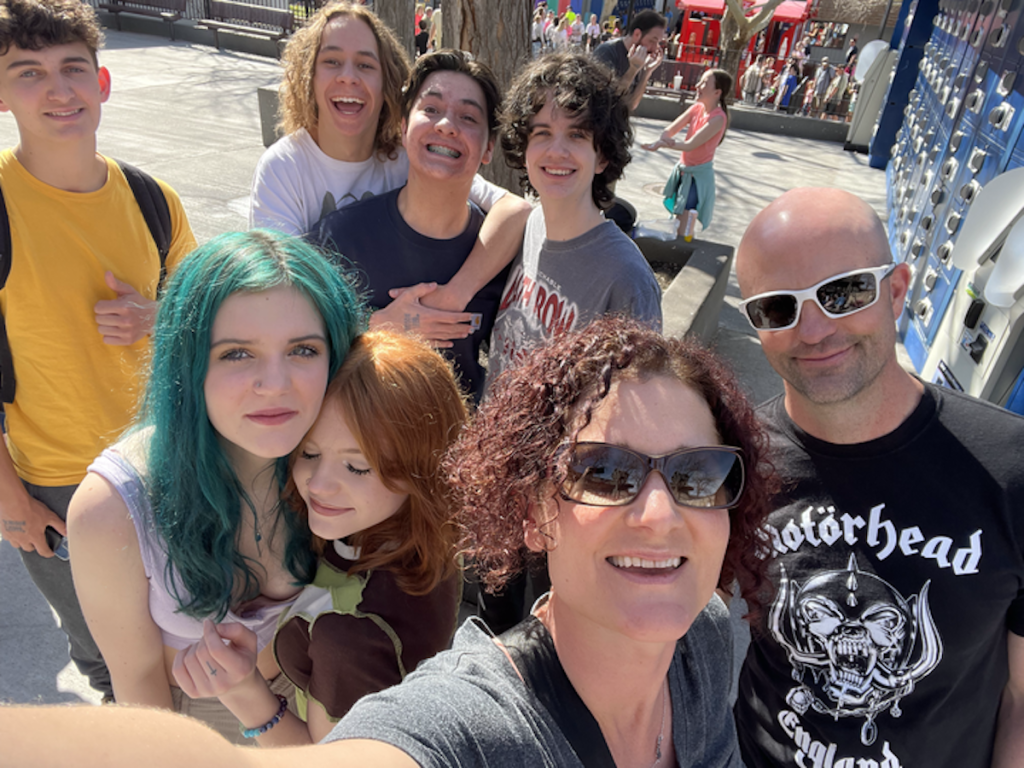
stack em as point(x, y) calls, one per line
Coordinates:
point(693, 301)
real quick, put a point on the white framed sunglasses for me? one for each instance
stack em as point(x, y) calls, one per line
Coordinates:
point(836, 296)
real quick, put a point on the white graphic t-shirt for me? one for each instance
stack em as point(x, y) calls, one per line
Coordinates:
point(296, 184)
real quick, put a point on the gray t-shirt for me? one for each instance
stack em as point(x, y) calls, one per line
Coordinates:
point(467, 707)
point(613, 55)
point(560, 286)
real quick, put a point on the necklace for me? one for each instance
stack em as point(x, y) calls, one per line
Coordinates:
point(661, 733)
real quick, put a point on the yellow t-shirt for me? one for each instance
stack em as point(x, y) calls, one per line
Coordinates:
point(75, 394)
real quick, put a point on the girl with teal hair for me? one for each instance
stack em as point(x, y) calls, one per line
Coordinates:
point(182, 519)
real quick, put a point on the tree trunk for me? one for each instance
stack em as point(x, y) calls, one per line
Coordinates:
point(732, 44)
point(606, 11)
point(498, 34)
point(400, 15)
point(737, 29)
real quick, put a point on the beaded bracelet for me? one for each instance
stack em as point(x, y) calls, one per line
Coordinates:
point(252, 733)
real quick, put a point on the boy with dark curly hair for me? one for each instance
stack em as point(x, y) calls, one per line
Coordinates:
point(567, 128)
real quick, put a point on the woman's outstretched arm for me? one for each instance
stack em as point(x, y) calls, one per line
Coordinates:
point(128, 737)
point(114, 592)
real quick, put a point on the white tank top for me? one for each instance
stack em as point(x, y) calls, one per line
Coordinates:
point(179, 630)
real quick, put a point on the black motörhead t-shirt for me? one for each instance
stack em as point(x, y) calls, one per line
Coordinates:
point(899, 569)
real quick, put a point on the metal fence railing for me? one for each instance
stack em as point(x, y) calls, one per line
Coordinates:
point(690, 64)
point(199, 9)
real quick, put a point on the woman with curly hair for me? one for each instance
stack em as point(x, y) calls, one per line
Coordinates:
point(385, 597)
point(635, 467)
point(341, 114)
point(181, 520)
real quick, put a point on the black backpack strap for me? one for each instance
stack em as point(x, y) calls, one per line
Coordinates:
point(530, 645)
point(6, 362)
point(155, 211)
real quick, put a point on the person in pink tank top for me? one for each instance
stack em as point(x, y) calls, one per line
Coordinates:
point(690, 189)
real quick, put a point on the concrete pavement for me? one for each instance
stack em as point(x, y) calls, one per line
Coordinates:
point(188, 114)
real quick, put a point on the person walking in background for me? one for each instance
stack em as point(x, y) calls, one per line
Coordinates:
point(836, 92)
point(576, 31)
point(750, 83)
point(436, 40)
point(690, 190)
point(560, 38)
point(767, 89)
point(851, 51)
point(549, 22)
point(822, 81)
point(551, 34)
point(537, 33)
point(802, 53)
point(422, 37)
point(787, 87)
point(592, 33)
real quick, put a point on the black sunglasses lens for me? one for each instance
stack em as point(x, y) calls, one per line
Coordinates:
point(603, 475)
point(706, 478)
point(772, 311)
point(848, 294)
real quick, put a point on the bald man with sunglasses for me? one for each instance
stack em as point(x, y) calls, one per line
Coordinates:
point(895, 636)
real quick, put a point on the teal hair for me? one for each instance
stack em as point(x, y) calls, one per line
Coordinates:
point(197, 498)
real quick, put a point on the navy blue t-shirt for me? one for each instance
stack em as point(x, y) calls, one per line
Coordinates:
point(374, 244)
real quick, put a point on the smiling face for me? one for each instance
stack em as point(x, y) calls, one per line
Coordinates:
point(348, 87)
point(651, 39)
point(446, 134)
point(343, 493)
point(706, 90)
point(805, 237)
point(55, 93)
point(267, 372)
point(644, 570)
point(561, 159)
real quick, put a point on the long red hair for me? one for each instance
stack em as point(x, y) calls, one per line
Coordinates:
point(401, 401)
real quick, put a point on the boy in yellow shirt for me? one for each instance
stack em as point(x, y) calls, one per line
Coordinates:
point(79, 298)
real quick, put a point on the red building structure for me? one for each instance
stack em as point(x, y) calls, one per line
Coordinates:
point(701, 31)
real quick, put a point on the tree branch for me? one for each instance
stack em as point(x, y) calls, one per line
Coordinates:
point(748, 27)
